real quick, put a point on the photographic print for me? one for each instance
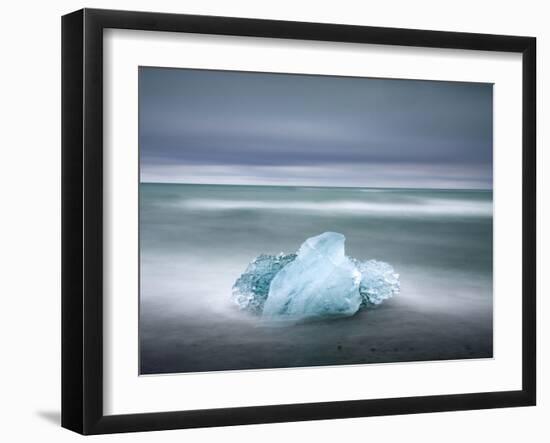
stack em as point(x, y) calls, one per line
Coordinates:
point(293, 220)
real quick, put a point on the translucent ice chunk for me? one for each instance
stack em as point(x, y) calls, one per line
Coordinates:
point(320, 282)
point(379, 282)
point(251, 288)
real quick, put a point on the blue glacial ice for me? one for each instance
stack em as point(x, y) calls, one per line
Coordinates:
point(321, 281)
point(379, 282)
point(252, 287)
point(318, 281)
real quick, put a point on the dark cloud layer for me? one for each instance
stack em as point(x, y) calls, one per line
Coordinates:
point(270, 128)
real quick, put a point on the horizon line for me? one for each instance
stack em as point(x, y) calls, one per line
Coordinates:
point(312, 186)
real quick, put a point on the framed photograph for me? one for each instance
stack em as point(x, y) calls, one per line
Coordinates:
point(269, 221)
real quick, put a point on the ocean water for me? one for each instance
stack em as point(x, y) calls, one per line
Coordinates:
point(195, 241)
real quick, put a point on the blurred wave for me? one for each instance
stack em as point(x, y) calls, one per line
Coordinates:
point(423, 207)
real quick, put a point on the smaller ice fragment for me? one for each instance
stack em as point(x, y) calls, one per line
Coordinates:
point(379, 282)
point(252, 287)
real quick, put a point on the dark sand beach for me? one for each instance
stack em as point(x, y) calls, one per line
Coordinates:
point(368, 337)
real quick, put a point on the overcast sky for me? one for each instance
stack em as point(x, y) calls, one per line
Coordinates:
point(200, 126)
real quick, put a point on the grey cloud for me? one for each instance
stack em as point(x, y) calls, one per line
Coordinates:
point(237, 120)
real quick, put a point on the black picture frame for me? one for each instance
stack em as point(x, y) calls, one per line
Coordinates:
point(82, 221)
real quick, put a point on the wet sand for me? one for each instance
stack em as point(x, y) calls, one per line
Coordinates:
point(194, 345)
